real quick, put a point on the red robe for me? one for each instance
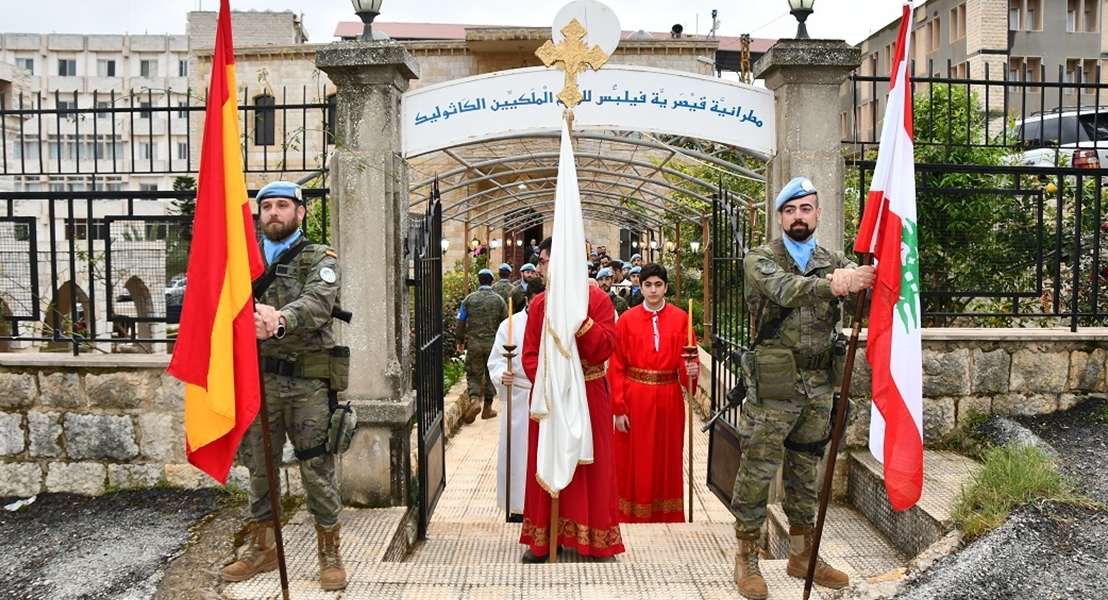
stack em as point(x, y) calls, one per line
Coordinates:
point(647, 387)
point(587, 507)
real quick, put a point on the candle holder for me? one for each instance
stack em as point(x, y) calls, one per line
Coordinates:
point(690, 354)
point(509, 353)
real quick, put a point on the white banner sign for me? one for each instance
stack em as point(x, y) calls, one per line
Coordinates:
point(618, 97)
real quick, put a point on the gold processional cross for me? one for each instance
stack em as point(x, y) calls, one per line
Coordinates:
point(574, 56)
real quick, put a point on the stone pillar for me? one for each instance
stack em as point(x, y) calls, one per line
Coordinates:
point(369, 221)
point(805, 76)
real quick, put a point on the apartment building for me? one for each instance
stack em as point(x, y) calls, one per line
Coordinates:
point(1017, 40)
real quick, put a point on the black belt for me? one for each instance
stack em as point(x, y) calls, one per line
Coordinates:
point(286, 368)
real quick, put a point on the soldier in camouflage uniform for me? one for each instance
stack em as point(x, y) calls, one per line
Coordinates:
point(478, 317)
point(504, 287)
point(604, 278)
point(293, 320)
point(787, 410)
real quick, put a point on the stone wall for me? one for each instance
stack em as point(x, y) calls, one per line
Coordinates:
point(90, 423)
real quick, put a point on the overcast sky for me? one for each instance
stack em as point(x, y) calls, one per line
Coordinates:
point(852, 20)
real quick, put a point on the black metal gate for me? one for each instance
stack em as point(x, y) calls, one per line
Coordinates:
point(426, 284)
point(731, 228)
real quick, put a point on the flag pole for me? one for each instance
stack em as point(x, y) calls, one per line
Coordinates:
point(836, 432)
point(509, 354)
point(271, 478)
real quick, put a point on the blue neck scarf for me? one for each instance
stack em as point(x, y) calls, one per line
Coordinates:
point(800, 251)
point(271, 250)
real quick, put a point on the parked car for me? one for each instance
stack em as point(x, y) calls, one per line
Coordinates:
point(1064, 137)
point(175, 292)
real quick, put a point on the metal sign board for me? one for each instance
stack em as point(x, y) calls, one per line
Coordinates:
point(522, 102)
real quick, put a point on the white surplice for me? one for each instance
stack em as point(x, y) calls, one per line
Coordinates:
point(521, 392)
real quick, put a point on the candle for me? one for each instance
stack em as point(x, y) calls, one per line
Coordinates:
point(509, 320)
point(690, 324)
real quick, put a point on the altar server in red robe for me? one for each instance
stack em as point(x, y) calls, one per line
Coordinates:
point(588, 513)
point(649, 376)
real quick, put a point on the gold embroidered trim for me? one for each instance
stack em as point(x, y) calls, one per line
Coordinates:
point(593, 372)
point(656, 506)
point(583, 534)
point(649, 377)
point(585, 327)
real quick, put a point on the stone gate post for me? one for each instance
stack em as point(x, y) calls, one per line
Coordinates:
point(805, 77)
point(369, 221)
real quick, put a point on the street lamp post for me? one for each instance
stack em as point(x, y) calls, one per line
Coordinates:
point(367, 10)
point(801, 9)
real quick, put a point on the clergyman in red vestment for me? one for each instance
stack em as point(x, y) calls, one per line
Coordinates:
point(648, 376)
point(588, 513)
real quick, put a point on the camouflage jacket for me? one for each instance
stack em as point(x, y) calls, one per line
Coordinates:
point(618, 302)
point(479, 316)
point(519, 297)
point(305, 291)
point(503, 288)
point(773, 281)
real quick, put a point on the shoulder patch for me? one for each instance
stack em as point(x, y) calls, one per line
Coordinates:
point(767, 266)
point(327, 274)
point(331, 253)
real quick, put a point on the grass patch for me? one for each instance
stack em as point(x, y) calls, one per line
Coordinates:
point(967, 438)
point(452, 371)
point(1012, 476)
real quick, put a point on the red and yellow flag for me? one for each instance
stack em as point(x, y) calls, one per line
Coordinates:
point(216, 354)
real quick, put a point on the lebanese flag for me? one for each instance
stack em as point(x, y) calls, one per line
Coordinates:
point(216, 355)
point(889, 231)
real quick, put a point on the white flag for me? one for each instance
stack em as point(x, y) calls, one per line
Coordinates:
point(558, 398)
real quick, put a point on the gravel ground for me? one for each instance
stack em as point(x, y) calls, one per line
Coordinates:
point(1046, 550)
point(64, 546)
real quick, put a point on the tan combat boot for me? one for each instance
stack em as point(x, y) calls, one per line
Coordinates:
point(473, 410)
point(747, 574)
point(800, 551)
point(332, 575)
point(260, 556)
point(488, 412)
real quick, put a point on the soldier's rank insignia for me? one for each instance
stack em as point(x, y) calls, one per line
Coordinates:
point(328, 274)
point(331, 253)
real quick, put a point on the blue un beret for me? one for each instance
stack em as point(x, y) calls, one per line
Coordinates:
point(281, 189)
point(506, 267)
point(636, 270)
point(605, 272)
point(485, 272)
point(527, 267)
point(634, 256)
point(797, 188)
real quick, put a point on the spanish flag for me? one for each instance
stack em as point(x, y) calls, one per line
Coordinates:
point(216, 355)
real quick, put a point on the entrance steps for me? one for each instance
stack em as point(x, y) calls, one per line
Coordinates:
point(471, 553)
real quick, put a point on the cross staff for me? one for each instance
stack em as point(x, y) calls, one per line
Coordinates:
point(573, 56)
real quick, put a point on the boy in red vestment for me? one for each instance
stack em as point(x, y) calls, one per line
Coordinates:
point(588, 513)
point(648, 376)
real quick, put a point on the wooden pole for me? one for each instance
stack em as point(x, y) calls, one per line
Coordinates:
point(836, 433)
point(690, 356)
point(677, 259)
point(509, 353)
point(271, 478)
point(707, 280)
point(465, 257)
point(554, 521)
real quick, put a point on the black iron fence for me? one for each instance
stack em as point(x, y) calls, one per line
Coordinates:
point(1009, 177)
point(96, 205)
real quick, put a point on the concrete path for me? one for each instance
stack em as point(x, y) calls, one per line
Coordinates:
point(471, 553)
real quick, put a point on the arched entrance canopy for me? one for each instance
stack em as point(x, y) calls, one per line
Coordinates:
point(491, 141)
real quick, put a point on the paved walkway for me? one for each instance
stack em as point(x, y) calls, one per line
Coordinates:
point(471, 553)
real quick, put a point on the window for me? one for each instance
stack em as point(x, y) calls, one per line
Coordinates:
point(182, 68)
point(1071, 21)
point(105, 68)
point(182, 151)
point(265, 120)
point(66, 108)
point(27, 150)
point(182, 114)
point(103, 109)
point(26, 63)
point(148, 68)
point(958, 22)
point(148, 187)
point(144, 110)
point(1013, 19)
point(67, 67)
point(147, 151)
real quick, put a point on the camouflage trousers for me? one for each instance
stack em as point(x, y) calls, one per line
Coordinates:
point(763, 429)
point(298, 409)
point(477, 373)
